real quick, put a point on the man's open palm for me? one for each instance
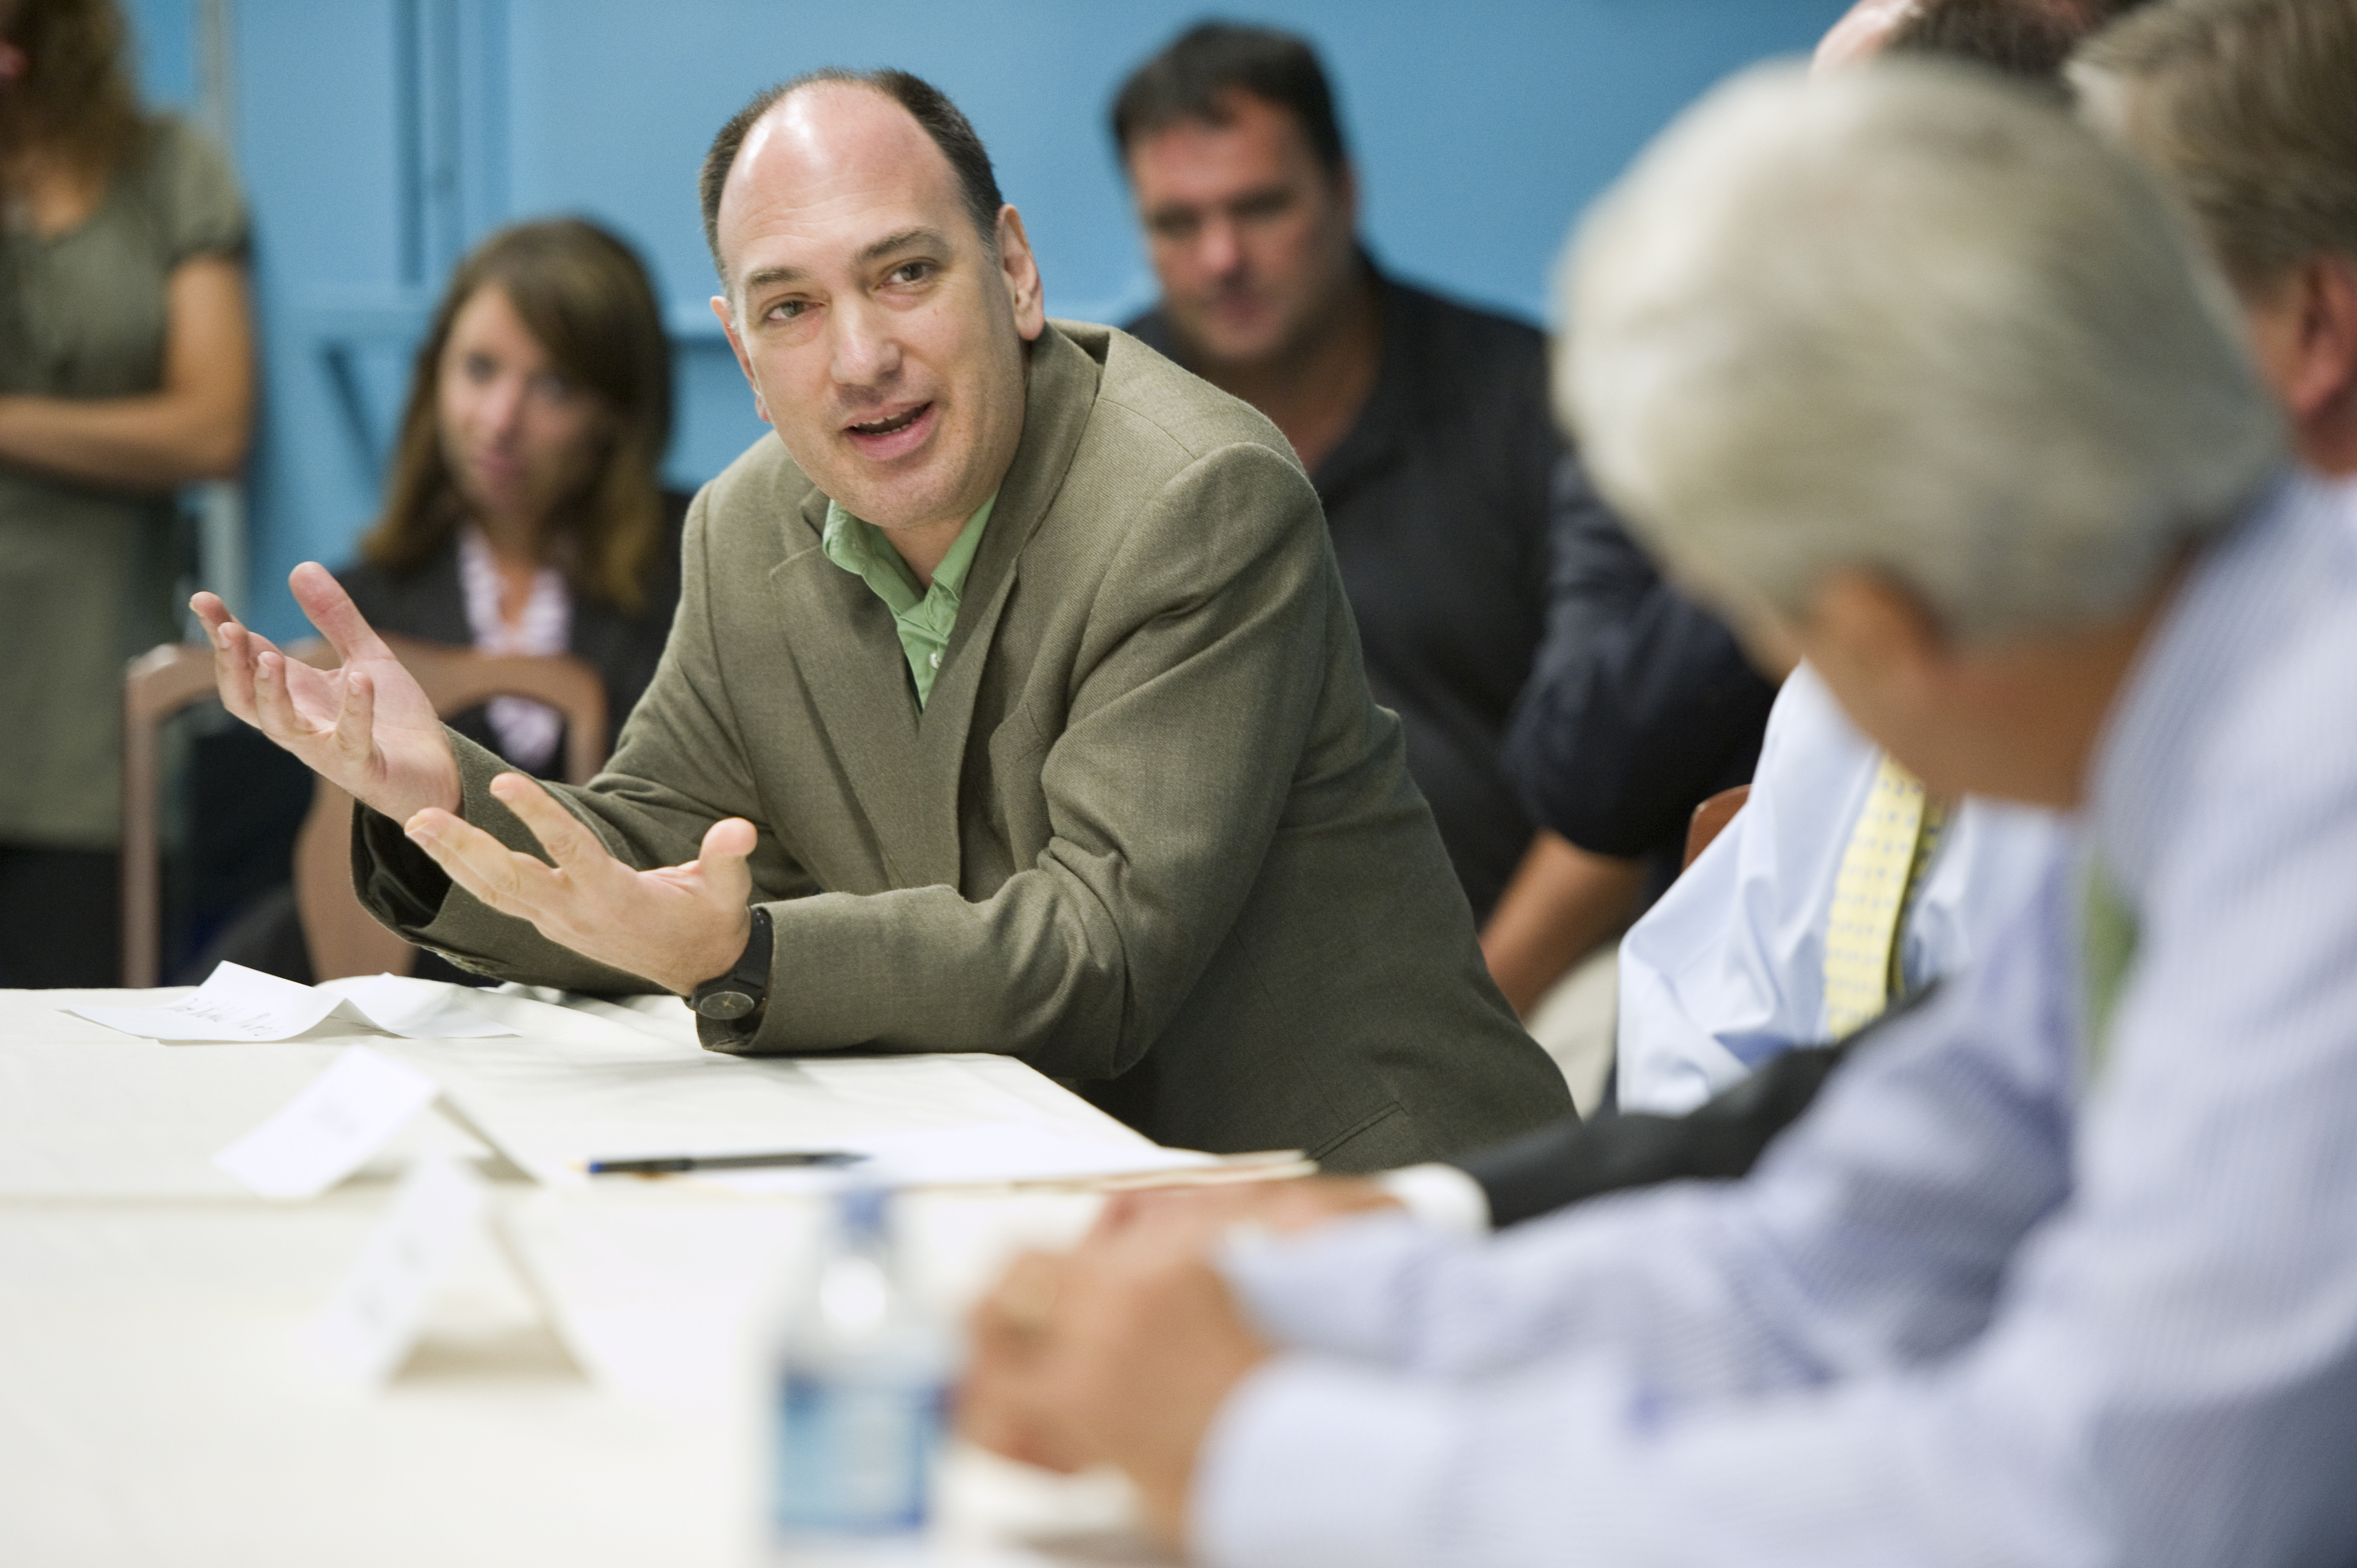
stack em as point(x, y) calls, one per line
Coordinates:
point(675, 925)
point(366, 728)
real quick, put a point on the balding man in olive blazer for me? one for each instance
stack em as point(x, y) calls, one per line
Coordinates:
point(1148, 832)
point(1012, 705)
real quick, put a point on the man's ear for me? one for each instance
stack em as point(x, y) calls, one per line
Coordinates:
point(1891, 665)
point(1770, 642)
point(2324, 374)
point(1020, 272)
point(1862, 32)
point(737, 346)
point(1869, 635)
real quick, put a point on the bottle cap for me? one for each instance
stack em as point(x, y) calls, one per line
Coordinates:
point(860, 1209)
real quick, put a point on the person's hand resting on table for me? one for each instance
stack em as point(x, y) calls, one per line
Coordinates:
point(368, 728)
point(1119, 1352)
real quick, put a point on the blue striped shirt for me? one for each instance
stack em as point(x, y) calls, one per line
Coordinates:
point(1978, 1306)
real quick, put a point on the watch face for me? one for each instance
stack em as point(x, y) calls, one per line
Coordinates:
point(725, 1006)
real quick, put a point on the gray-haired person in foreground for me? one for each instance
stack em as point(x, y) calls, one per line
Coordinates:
point(1912, 372)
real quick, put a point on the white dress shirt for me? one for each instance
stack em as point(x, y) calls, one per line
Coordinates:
point(1981, 1305)
point(1727, 968)
point(528, 732)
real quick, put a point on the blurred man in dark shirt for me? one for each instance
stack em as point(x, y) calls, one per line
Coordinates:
point(1641, 706)
point(1424, 425)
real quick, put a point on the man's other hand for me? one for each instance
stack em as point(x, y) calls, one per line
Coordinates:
point(678, 926)
point(366, 728)
point(1121, 1352)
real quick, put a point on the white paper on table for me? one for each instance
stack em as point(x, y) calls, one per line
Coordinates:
point(577, 1087)
point(371, 1322)
point(666, 1300)
point(330, 1129)
point(241, 1003)
point(665, 1295)
point(415, 1009)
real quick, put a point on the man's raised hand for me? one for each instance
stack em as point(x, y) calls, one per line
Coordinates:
point(678, 926)
point(366, 728)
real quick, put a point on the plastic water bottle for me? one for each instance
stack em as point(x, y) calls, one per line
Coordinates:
point(858, 1402)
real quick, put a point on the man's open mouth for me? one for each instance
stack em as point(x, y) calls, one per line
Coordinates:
point(886, 427)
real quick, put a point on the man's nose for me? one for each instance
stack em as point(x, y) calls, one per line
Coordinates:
point(1220, 247)
point(866, 349)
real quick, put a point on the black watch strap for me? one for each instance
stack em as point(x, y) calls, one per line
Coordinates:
point(736, 998)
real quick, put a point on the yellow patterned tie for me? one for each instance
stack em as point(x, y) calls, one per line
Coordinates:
point(1888, 850)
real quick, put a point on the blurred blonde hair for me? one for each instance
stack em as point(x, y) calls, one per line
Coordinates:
point(2249, 110)
point(1915, 319)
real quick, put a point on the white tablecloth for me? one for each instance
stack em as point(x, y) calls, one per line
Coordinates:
point(584, 1392)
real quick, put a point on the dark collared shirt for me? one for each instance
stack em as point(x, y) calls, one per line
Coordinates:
point(1436, 499)
point(1642, 704)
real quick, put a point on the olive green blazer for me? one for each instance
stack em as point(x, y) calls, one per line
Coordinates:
point(1151, 835)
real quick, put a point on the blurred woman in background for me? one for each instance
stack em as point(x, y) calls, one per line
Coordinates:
point(524, 514)
point(126, 369)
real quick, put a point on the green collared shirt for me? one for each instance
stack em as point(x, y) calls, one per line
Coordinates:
point(925, 616)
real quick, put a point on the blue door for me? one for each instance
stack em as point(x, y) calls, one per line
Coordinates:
point(379, 139)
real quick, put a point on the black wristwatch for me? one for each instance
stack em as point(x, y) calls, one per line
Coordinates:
point(735, 998)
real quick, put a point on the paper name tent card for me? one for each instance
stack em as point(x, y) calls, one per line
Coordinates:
point(329, 1130)
point(372, 1322)
point(241, 1004)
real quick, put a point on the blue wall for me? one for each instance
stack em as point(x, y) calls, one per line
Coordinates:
point(378, 138)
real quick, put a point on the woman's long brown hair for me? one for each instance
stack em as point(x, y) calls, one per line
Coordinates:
point(75, 101)
point(585, 298)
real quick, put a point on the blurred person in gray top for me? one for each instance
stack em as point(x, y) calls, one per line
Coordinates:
point(126, 369)
point(1423, 424)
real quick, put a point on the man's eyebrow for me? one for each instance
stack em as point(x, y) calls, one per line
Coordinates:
point(907, 239)
point(1275, 190)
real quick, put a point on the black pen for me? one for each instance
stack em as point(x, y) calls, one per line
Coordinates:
point(672, 1164)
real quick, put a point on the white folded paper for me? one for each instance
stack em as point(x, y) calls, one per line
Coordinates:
point(330, 1129)
point(241, 1004)
point(372, 1322)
